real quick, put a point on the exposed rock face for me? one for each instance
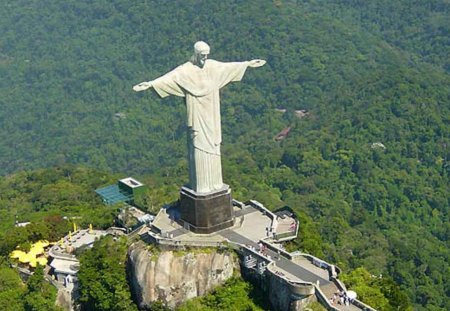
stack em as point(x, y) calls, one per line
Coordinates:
point(173, 278)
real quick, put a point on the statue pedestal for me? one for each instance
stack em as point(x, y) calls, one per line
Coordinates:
point(206, 212)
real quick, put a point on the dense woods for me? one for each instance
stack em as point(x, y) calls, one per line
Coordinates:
point(366, 170)
point(52, 199)
point(103, 277)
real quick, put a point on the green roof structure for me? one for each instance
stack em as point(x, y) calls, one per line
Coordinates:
point(125, 190)
point(113, 194)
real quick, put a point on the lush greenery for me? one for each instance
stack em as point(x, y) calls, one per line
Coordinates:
point(11, 289)
point(236, 294)
point(102, 277)
point(40, 295)
point(367, 72)
point(36, 295)
point(52, 200)
point(103, 284)
point(379, 292)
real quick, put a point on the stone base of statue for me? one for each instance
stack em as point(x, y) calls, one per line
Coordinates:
point(206, 212)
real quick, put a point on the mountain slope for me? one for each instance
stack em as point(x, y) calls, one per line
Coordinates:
point(363, 76)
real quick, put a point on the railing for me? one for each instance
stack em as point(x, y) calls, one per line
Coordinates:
point(265, 211)
point(197, 243)
point(262, 208)
point(55, 254)
point(284, 235)
point(120, 229)
point(255, 253)
point(277, 249)
point(136, 230)
point(296, 287)
point(355, 302)
point(339, 285)
point(238, 203)
point(317, 261)
point(323, 299)
point(362, 305)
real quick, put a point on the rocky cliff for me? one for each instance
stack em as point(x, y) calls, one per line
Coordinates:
point(173, 277)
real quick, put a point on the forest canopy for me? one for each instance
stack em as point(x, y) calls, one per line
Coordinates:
point(366, 170)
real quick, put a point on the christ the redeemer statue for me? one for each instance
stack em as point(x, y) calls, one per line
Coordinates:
point(200, 80)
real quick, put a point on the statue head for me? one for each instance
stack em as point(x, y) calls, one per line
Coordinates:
point(201, 51)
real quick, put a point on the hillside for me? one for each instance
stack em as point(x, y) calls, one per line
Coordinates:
point(367, 73)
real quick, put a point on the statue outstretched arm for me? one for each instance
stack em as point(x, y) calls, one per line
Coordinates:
point(256, 63)
point(142, 86)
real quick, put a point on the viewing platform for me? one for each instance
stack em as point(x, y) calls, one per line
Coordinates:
point(256, 235)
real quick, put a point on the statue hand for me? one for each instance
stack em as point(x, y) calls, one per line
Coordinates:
point(256, 63)
point(142, 86)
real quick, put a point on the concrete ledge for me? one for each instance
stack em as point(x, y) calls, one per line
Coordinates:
point(265, 211)
point(294, 287)
point(157, 239)
point(277, 249)
point(324, 300)
point(317, 261)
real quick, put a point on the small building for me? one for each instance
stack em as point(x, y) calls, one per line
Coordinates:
point(61, 268)
point(126, 190)
point(131, 186)
point(131, 218)
point(64, 265)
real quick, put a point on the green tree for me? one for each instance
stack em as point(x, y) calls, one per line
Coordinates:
point(11, 290)
point(236, 294)
point(379, 292)
point(102, 277)
point(40, 295)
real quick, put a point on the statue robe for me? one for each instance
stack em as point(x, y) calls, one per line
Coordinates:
point(201, 88)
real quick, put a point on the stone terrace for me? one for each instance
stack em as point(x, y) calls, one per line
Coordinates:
point(255, 229)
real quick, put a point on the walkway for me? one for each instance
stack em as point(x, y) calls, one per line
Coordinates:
point(281, 262)
point(251, 226)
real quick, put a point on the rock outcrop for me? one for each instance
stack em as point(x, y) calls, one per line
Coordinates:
point(173, 277)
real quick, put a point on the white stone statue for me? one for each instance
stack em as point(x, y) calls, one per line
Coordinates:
point(200, 80)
